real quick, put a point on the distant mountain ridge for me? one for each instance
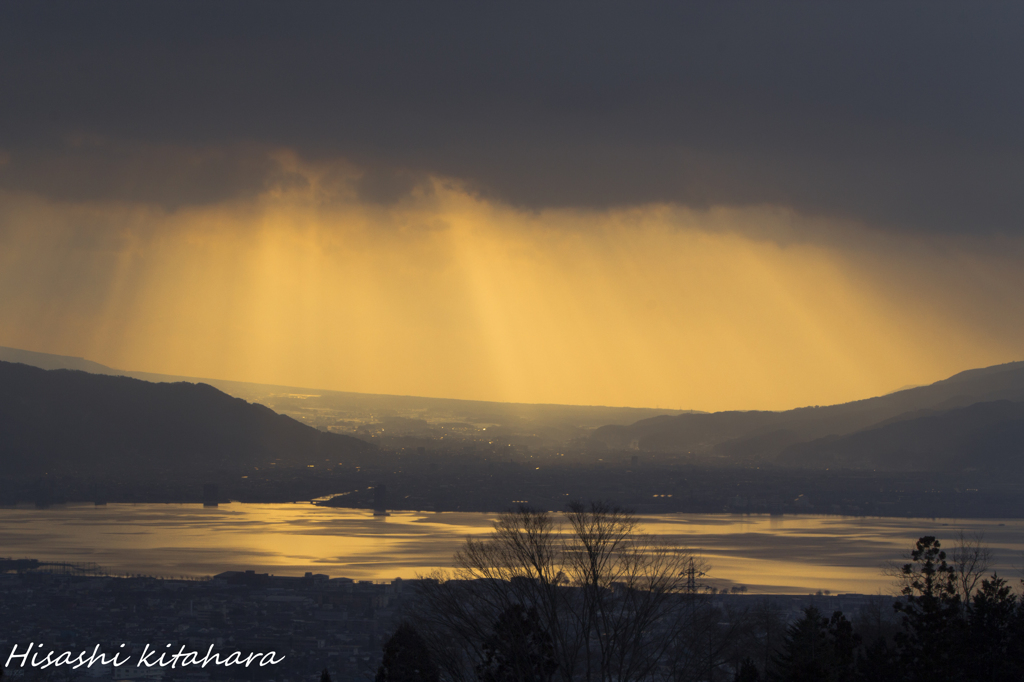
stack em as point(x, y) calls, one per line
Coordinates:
point(970, 420)
point(808, 436)
point(986, 435)
point(559, 423)
point(50, 361)
point(71, 421)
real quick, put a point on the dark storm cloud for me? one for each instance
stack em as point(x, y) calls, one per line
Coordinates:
point(165, 174)
point(903, 116)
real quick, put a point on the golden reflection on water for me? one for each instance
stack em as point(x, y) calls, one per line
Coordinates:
point(794, 554)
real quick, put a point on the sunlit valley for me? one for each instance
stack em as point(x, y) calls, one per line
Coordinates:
point(948, 449)
point(448, 342)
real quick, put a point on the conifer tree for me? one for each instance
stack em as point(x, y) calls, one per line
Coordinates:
point(933, 627)
point(519, 650)
point(995, 641)
point(406, 658)
point(817, 649)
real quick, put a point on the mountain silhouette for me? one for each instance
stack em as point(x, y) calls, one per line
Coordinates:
point(65, 420)
point(50, 361)
point(69, 421)
point(550, 423)
point(984, 436)
point(801, 432)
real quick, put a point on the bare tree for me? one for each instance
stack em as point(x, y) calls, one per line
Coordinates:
point(770, 626)
point(614, 602)
point(971, 559)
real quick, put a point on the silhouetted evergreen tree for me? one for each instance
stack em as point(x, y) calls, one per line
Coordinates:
point(844, 643)
point(994, 647)
point(325, 676)
point(878, 662)
point(817, 649)
point(406, 658)
point(519, 650)
point(933, 628)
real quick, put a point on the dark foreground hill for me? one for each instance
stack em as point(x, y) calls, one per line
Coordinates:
point(984, 436)
point(64, 421)
point(925, 427)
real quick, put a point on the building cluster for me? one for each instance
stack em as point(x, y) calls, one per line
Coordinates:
point(314, 621)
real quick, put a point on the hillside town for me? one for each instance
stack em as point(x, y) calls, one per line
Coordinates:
point(315, 622)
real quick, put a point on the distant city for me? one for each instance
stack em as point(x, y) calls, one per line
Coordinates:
point(318, 622)
point(949, 449)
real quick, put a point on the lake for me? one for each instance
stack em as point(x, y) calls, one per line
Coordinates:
point(767, 554)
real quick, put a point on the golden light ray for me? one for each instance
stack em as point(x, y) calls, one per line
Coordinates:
point(447, 294)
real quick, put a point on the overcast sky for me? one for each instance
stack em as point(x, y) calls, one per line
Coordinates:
point(719, 204)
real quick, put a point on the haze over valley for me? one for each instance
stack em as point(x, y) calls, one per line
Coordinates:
point(952, 448)
point(505, 342)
